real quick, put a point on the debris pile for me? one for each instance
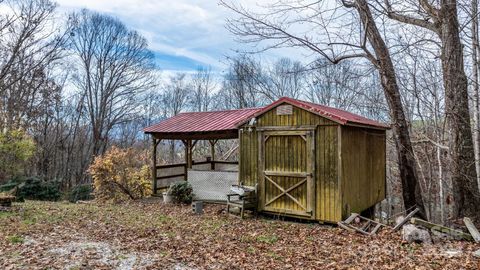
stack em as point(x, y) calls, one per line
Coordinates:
point(417, 231)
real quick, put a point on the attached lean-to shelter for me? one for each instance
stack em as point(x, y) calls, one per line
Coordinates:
point(307, 160)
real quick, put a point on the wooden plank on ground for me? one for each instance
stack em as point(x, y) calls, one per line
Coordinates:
point(350, 218)
point(442, 229)
point(472, 229)
point(406, 219)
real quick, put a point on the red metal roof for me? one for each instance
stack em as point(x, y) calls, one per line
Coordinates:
point(340, 116)
point(191, 122)
point(202, 121)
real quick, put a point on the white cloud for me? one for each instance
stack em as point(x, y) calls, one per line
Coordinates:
point(182, 28)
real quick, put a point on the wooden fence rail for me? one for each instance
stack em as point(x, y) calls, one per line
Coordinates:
point(165, 178)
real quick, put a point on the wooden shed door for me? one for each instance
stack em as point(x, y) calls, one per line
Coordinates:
point(286, 171)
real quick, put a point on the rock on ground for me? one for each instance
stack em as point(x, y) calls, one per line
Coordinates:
point(413, 234)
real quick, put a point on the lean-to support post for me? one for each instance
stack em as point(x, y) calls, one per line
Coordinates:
point(155, 143)
point(212, 152)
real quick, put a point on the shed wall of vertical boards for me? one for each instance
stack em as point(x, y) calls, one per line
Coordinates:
point(363, 168)
point(344, 167)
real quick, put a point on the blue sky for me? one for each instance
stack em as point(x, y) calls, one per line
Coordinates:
point(183, 34)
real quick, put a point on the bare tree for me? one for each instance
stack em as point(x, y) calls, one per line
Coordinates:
point(240, 89)
point(30, 44)
point(114, 67)
point(442, 19)
point(475, 85)
point(346, 86)
point(366, 42)
point(175, 96)
point(203, 85)
point(284, 78)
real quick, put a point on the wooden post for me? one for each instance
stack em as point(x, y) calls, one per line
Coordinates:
point(154, 164)
point(186, 145)
point(190, 147)
point(212, 151)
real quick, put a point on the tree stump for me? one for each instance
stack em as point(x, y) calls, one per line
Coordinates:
point(6, 201)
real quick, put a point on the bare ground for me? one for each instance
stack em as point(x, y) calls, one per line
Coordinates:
point(151, 235)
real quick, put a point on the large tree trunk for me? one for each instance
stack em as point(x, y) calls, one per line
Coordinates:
point(476, 97)
point(464, 177)
point(406, 160)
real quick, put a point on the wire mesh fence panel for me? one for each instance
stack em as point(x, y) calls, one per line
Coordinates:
point(212, 185)
point(171, 171)
point(165, 183)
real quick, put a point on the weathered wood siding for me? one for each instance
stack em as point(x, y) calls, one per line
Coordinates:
point(363, 168)
point(327, 195)
point(248, 156)
point(286, 154)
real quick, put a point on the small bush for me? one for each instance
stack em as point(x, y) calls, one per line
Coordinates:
point(33, 188)
point(36, 189)
point(121, 174)
point(8, 186)
point(80, 193)
point(182, 192)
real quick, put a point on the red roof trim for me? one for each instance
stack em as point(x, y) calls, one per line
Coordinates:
point(339, 116)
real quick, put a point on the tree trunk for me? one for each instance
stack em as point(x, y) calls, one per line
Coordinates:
point(476, 100)
point(406, 160)
point(464, 177)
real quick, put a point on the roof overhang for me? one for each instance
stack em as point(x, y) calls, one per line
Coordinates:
point(206, 135)
point(212, 125)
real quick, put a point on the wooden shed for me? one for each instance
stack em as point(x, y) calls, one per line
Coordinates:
point(307, 160)
point(313, 161)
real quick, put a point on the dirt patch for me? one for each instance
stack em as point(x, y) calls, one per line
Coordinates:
point(76, 255)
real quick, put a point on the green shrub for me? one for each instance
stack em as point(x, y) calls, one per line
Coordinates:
point(181, 192)
point(33, 188)
point(8, 186)
point(80, 193)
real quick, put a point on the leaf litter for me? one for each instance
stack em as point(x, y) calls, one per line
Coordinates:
point(151, 235)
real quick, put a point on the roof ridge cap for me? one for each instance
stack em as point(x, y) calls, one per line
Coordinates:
point(226, 110)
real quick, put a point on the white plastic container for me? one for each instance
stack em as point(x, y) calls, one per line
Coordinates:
point(167, 198)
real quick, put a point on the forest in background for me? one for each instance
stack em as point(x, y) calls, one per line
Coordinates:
point(71, 87)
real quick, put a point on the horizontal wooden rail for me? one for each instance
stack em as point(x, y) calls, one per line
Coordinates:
point(201, 162)
point(225, 162)
point(196, 163)
point(183, 165)
point(290, 174)
point(170, 176)
point(171, 166)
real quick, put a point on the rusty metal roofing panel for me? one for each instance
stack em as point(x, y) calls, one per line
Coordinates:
point(191, 122)
point(202, 121)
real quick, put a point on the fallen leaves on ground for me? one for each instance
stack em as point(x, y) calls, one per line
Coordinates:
point(151, 235)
